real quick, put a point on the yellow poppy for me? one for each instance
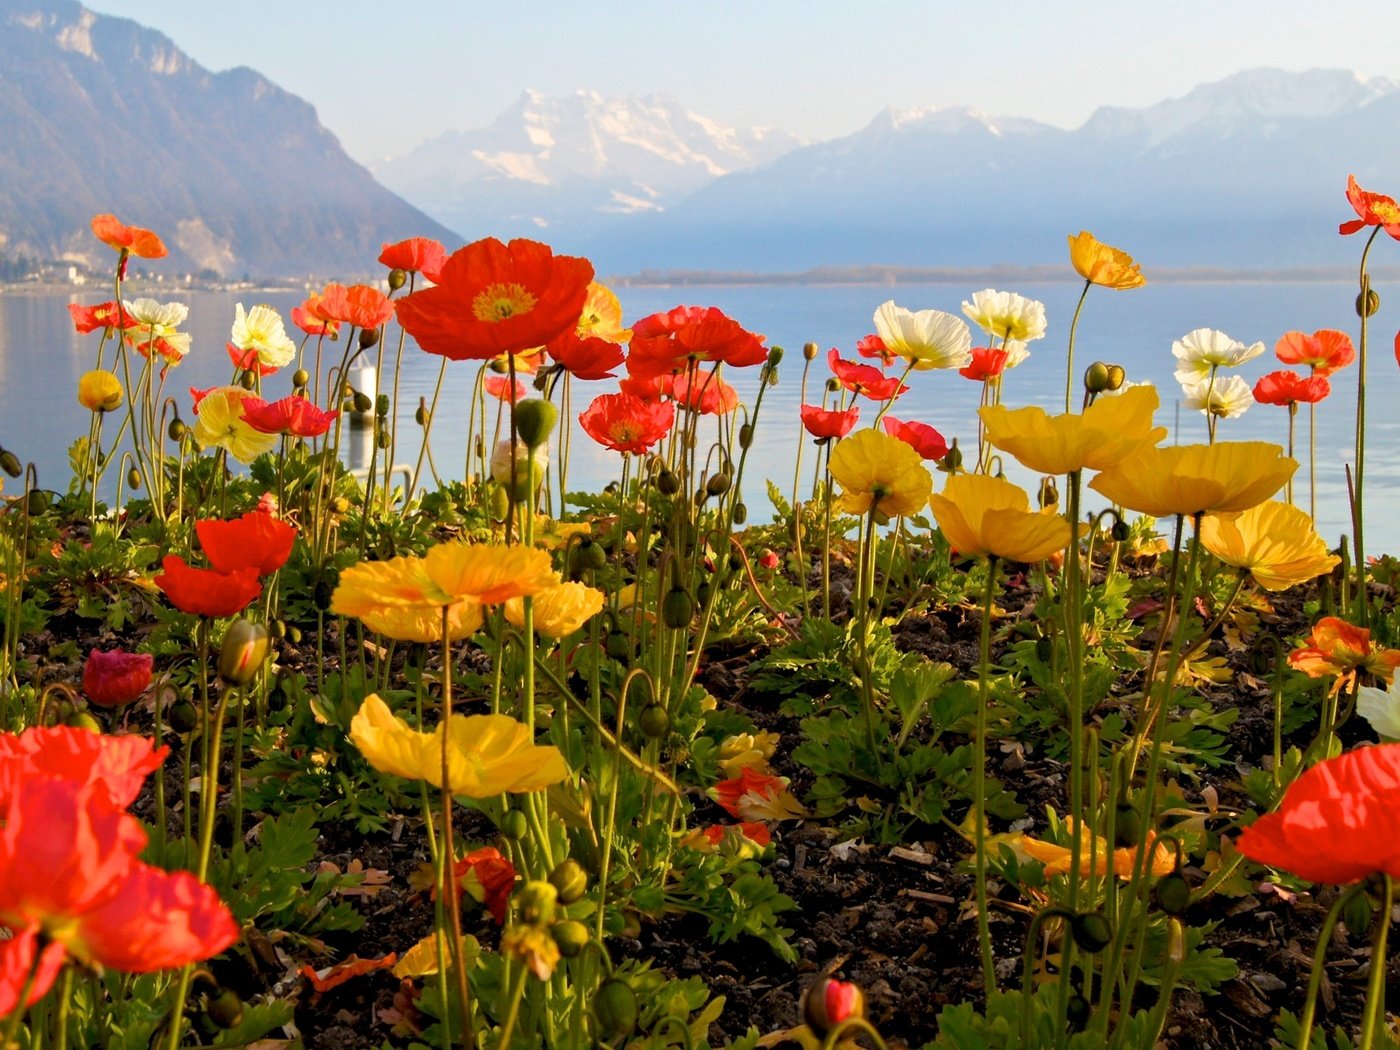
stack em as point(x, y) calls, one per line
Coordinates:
point(1274, 541)
point(746, 751)
point(1056, 859)
point(219, 423)
point(1223, 478)
point(602, 316)
point(983, 517)
point(487, 754)
point(874, 468)
point(559, 611)
point(397, 599)
point(488, 573)
point(1097, 262)
point(99, 391)
point(1108, 432)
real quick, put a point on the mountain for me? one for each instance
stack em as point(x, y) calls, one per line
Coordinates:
point(236, 175)
point(566, 168)
point(1247, 171)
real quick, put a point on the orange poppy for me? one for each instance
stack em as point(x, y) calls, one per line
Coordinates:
point(206, 592)
point(132, 240)
point(1338, 648)
point(824, 424)
point(625, 423)
point(588, 359)
point(256, 540)
point(90, 318)
point(1325, 351)
point(1338, 822)
point(707, 394)
point(986, 364)
point(493, 299)
point(864, 379)
point(499, 387)
point(292, 415)
point(1374, 209)
point(671, 340)
point(873, 346)
point(119, 764)
point(416, 255)
point(311, 317)
point(359, 306)
point(1286, 387)
point(489, 878)
point(921, 437)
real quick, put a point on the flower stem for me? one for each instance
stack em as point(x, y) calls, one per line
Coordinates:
point(1363, 610)
point(979, 780)
point(1375, 986)
point(1069, 356)
point(1324, 938)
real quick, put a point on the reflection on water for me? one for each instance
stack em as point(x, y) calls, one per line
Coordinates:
point(41, 358)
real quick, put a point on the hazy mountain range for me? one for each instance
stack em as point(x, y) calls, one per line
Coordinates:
point(240, 176)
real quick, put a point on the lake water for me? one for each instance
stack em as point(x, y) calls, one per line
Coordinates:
point(41, 358)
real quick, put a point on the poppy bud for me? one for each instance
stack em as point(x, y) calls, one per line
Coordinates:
point(368, 337)
point(1077, 1012)
point(745, 435)
point(615, 1008)
point(591, 555)
point(361, 402)
point(1126, 825)
point(741, 513)
point(617, 645)
point(702, 593)
point(321, 593)
point(537, 900)
point(116, 678)
point(654, 722)
point(1176, 942)
point(1049, 492)
point(301, 377)
point(133, 478)
point(1367, 303)
point(1116, 377)
point(667, 483)
point(10, 463)
point(225, 1009)
point(1091, 932)
point(294, 634)
point(569, 879)
point(184, 716)
point(177, 430)
point(1173, 894)
point(421, 415)
point(833, 385)
point(570, 937)
point(514, 824)
point(828, 1002)
point(1044, 649)
point(243, 651)
point(1096, 378)
point(775, 356)
point(810, 351)
point(381, 406)
point(534, 420)
point(37, 503)
point(1121, 531)
point(677, 608)
point(717, 484)
point(381, 437)
point(951, 462)
point(397, 279)
point(248, 379)
point(83, 720)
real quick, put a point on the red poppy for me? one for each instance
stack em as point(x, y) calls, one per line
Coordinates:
point(921, 437)
point(116, 678)
point(1286, 387)
point(197, 395)
point(488, 878)
point(494, 299)
point(293, 415)
point(648, 388)
point(874, 346)
point(133, 240)
point(986, 364)
point(359, 306)
point(17, 961)
point(206, 592)
point(708, 839)
point(1325, 351)
point(670, 341)
point(119, 764)
point(1374, 209)
point(247, 360)
point(332, 977)
point(824, 423)
point(625, 423)
point(160, 346)
point(707, 394)
point(499, 388)
point(590, 358)
point(255, 541)
point(416, 255)
point(1338, 822)
point(864, 379)
point(311, 317)
point(90, 318)
point(757, 796)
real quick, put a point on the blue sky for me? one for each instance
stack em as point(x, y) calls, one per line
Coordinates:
point(385, 77)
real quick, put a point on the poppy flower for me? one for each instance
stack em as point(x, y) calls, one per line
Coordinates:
point(742, 751)
point(1107, 432)
point(499, 387)
point(864, 379)
point(586, 359)
point(117, 764)
point(533, 947)
point(99, 391)
point(294, 415)
point(207, 592)
point(873, 346)
point(1223, 478)
point(1343, 651)
point(1325, 351)
point(1338, 822)
point(219, 423)
point(1274, 542)
point(986, 364)
point(1006, 315)
point(670, 341)
point(708, 839)
point(254, 541)
point(359, 306)
point(1203, 350)
point(1380, 707)
point(826, 423)
point(921, 437)
point(1100, 264)
point(133, 240)
point(705, 393)
point(558, 611)
point(881, 472)
point(626, 423)
point(1374, 209)
point(152, 328)
point(312, 318)
point(983, 516)
point(396, 598)
point(488, 878)
point(926, 339)
point(757, 796)
point(487, 754)
point(1286, 387)
point(1225, 397)
point(415, 255)
point(259, 332)
point(493, 299)
point(488, 573)
point(1057, 859)
point(90, 318)
point(115, 678)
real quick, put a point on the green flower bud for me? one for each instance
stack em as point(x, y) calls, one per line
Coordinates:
point(1367, 303)
point(10, 463)
point(362, 403)
point(183, 716)
point(1091, 932)
point(615, 1008)
point(677, 608)
point(570, 937)
point(243, 651)
point(177, 430)
point(421, 415)
point(368, 337)
point(37, 503)
point(133, 478)
point(534, 420)
point(667, 483)
point(741, 513)
point(537, 900)
point(653, 721)
point(1096, 378)
point(717, 484)
point(1173, 893)
point(397, 279)
point(810, 351)
point(301, 377)
point(569, 879)
point(514, 824)
point(248, 379)
point(1116, 377)
point(225, 1009)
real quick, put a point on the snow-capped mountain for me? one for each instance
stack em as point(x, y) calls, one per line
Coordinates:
point(563, 167)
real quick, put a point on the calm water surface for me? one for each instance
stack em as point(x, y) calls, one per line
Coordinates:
point(41, 358)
